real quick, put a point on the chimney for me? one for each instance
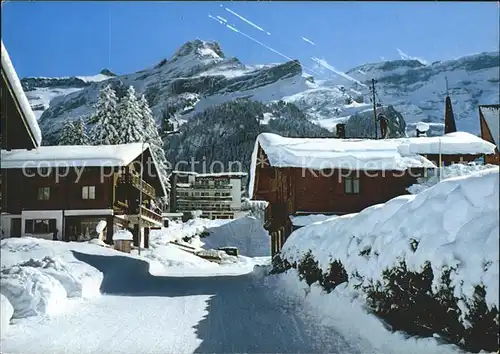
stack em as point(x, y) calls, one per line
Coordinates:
point(341, 131)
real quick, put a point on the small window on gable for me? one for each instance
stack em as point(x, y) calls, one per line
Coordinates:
point(351, 185)
point(88, 192)
point(44, 193)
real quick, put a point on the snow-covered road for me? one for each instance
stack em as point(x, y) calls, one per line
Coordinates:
point(227, 311)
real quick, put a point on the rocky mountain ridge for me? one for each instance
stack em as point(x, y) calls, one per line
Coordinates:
point(199, 76)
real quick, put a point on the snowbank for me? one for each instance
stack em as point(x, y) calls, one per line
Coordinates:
point(303, 220)
point(32, 292)
point(246, 233)
point(6, 312)
point(346, 313)
point(454, 170)
point(447, 235)
point(177, 231)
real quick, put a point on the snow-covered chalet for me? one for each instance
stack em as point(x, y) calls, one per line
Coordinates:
point(301, 176)
point(72, 188)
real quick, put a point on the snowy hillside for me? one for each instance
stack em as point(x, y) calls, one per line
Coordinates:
point(199, 75)
point(42, 90)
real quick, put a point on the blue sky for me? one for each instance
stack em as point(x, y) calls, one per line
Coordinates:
point(81, 38)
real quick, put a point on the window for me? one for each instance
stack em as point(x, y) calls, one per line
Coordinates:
point(40, 226)
point(88, 192)
point(44, 193)
point(351, 185)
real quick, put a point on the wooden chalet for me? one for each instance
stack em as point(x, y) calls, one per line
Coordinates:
point(72, 188)
point(489, 119)
point(299, 176)
point(18, 124)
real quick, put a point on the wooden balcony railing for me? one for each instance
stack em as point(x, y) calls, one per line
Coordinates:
point(149, 213)
point(135, 181)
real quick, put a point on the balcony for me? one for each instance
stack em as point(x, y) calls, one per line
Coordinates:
point(135, 181)
point(148, 213)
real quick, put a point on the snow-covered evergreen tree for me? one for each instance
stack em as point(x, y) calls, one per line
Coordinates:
point(66, 133)
point(105, 119)
point(73, 133)
point(130, 128)
point(153, 138)
point(80, 136)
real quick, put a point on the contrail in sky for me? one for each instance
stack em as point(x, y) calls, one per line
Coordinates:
point(222, 18)
point(308, 40)
point(246, 20)
point(234, 29)
point(325, 64)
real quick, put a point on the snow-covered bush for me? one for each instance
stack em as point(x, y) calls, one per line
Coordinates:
point(426, 263)
point(445, 172)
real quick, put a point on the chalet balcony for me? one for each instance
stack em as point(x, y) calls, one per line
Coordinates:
point(120, 207)
point(147, 213)
point(135, 181)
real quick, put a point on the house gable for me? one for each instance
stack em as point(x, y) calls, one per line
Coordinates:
point(19, 127)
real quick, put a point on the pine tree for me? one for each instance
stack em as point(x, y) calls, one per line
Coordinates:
point(130, 128)
point(66, 133)
point(73, 133)
point(105, 119)
point(153, 138)
point(80, 135)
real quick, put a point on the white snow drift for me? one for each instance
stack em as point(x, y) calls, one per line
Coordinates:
point(456, 225)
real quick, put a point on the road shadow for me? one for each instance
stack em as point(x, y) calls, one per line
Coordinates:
point(240, 318)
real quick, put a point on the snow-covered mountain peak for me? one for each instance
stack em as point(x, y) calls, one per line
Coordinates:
point(200, 49)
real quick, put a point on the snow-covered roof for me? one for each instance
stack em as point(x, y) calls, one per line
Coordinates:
point(73, 156)
point(14, 82)
point(460, 143)
point(361, 154)
point(491, 115)
point(222, 174)
point(123, 235)
point(214, 174)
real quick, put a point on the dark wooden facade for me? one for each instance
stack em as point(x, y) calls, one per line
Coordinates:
point(487, 134)
point(292, 191)
point(14, 128)
point(110, 194)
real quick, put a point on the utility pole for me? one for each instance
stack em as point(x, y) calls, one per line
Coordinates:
point(374, 107)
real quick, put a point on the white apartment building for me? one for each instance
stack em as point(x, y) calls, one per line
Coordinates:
point(217, 195)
